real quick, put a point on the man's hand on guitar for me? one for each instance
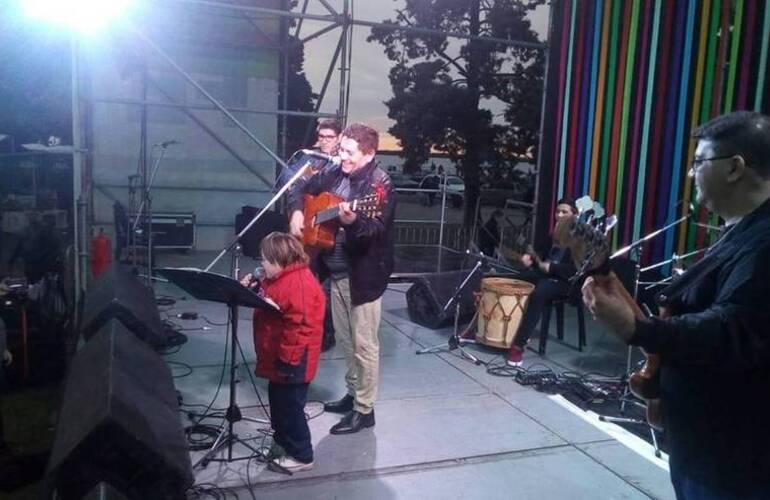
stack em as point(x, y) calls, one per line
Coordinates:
point(609, 305)
point(297, 224)
point(347, 215)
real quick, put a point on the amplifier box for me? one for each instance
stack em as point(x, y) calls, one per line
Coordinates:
point(172, 230)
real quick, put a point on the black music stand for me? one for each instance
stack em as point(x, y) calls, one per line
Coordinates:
point(213, 287)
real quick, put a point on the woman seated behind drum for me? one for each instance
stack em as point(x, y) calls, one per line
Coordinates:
point(550, 278)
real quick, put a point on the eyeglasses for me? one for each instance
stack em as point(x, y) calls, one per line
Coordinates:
point(697, 163)
point(322, 137)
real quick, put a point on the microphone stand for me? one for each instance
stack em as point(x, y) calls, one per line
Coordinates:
point(454, 341)
point(650, 236)
point(269, 205)
point(674, 259)
point(637, 245)
point(147, 201)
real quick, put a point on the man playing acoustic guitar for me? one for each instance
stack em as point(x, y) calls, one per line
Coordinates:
point(359, 263)
point(714, 349)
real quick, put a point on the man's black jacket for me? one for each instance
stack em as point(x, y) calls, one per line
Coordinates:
point(715, 354)
point(368, 240)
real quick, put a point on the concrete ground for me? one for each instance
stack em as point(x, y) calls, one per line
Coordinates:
point(446, 428)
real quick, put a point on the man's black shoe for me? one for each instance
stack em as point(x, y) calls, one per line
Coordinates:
point(343, 405)
point(353, 422)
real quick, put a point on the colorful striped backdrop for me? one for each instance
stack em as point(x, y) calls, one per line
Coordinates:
point(628, 80)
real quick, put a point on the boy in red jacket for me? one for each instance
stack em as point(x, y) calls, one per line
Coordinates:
point(288, 344)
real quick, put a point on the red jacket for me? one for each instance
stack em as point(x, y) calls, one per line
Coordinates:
point(288, 343)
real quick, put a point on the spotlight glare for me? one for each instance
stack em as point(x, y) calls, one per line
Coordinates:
point(83, 16)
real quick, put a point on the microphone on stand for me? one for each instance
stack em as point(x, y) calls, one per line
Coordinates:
point(692, 214)
point(317, 154)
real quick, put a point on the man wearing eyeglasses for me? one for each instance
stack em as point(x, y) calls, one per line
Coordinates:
point(328, 136)
point(327, 142)
point(715, 347)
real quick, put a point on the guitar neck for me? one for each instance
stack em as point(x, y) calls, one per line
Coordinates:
point(332, 213)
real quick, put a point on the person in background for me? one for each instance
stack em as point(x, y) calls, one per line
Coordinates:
point(327, 142)
point(551, 282)
point(489, 235)
point(288, 345)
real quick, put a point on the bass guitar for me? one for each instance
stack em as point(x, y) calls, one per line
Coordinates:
point(321, 213)
point(590, 251)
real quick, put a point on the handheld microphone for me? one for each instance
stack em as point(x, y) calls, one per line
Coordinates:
point(166, 144)
point(317, 154)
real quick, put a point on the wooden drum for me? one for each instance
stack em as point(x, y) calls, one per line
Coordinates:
point(499, 308)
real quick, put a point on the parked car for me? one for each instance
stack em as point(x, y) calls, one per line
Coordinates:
point(402, 181)
point(455, 189)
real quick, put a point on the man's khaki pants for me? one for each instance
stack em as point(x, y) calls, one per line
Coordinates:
point(356, 330)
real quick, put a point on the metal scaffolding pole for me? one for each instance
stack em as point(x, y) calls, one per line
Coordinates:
point(150, 43)
point(78, 164)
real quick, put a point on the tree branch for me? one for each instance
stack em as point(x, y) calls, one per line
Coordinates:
point(445, 56)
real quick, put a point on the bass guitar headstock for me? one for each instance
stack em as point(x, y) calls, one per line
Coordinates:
point(586, 237)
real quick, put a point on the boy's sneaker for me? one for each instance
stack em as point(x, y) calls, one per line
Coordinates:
point(287, 464)
point(515, 355)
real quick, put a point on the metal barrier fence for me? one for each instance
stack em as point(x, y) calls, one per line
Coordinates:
point(455, 236)
point(421, 223)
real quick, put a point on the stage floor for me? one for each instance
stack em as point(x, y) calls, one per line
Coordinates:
point(446, 428)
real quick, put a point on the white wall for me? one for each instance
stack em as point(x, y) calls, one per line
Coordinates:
point(198, 175)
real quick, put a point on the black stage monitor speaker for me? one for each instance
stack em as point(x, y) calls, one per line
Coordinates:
point(270, 221)
point(119, 294)
point(426, 298)
point(119, 423)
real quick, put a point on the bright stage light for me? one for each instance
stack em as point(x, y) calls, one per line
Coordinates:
point(84, 16)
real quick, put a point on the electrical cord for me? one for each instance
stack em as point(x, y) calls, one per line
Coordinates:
point(209, 490)
point(212, 322)
point(221, 379)
point(253, 382)
point(189, 369)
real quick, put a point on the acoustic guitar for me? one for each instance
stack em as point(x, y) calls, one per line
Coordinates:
point(321, 213)
point(590, 251)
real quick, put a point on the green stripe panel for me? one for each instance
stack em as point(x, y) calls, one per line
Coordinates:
point(708, 86)
point(733, 64)
point(611, 77)
point(566, 117)
point(626, 120)
point(762, 72)
point(640, 186)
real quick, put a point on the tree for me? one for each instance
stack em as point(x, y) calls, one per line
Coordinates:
point(300, 96)
point(438, 84)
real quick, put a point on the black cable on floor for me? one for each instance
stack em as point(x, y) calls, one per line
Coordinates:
point(209, 490)
point(209, 433)
point(253, 382)
point(189, 369)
